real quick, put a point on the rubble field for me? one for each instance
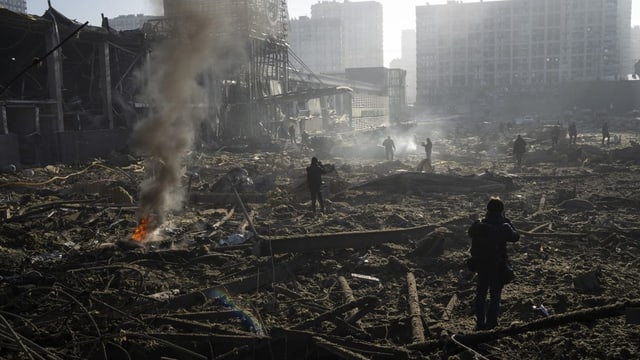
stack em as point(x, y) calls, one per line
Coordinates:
point(380, 275)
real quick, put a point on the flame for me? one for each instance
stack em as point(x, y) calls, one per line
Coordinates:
point(142, 230)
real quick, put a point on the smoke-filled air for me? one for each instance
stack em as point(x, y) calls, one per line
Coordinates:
point(176, 98)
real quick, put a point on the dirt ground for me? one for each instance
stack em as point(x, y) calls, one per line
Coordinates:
point(73, 286)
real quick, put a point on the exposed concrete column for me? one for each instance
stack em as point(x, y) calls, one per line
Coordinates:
point(105, 82)
point(4, 126)
point(54, 69)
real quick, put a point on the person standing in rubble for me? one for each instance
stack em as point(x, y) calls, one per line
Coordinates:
point(314, 181)
point(427, 150)
point(489, 238)
point(605, 132)
point(519, 148)
point(573, 133)
point(555, 134)
point(292, 134)
point(389, 147)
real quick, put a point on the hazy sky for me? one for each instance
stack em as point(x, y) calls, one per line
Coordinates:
point(398, 14)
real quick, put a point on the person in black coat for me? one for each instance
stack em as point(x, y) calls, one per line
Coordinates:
point(489, 239)
point(314, 181)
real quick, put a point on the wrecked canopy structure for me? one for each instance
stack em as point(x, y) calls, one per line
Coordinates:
point(73, 104)
point(250, 64)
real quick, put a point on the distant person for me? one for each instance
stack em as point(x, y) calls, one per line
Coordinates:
point(519, 148)
point(489, 239)
point(389, 147)
point(573, 133)
point(314, 181)
point(605, 132)
point(428, 146)
point(304, 140)
point(555, 135)
point(292, 134)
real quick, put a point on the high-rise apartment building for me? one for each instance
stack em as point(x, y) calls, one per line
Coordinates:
point(409, 62)
point(19, 6)
point(362, 30)
point(318, 42)
point(519, 43)
point(635, 44)
point(129, 22)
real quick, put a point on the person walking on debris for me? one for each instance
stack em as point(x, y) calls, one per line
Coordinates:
point(304, 140)
point(555, 134)
point(605, 132)
point(389, 147)
point(489, 239)
point(427, 149)
point(519, 148)
point(573, 133)
point(292, 134)
point(314, 181)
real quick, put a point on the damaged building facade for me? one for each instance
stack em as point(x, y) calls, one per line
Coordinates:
point(64, 89)
point(493, 54)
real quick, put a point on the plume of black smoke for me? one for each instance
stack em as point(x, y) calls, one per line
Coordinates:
point(173, 91)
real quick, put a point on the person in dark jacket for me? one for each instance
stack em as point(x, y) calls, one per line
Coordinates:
point(389, 147)
point(489, 239)
point(314, 181)
point(519, 148)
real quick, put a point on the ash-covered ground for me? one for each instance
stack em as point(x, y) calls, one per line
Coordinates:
point(74, 286)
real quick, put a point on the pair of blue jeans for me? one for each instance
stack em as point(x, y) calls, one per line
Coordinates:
point(488, 281)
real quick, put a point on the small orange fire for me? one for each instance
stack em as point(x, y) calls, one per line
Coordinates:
point(142, 230)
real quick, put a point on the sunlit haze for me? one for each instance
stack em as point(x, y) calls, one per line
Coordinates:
point(398, 15)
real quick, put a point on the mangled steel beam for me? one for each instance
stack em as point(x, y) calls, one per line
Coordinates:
point(318, 242)
point(417, 330)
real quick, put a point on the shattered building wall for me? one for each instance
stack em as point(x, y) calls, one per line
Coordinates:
point(504, 45)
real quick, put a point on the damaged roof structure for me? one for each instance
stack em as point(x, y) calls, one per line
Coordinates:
point(73, 104)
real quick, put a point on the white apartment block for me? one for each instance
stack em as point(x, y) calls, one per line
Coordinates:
point(362, 30)
point(520, 43)
point(19, 6)
point(318, 42)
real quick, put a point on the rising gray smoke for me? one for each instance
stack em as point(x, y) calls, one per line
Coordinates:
point(176, 99)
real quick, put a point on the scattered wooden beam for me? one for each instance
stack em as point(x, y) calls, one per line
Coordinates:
point(417, 330)
point(448, 311)
point(337, 350)
point(429, 182)
point(337, 311)
point(348, 295)
point(209, 198)
point(584, 315)
point(267, 245)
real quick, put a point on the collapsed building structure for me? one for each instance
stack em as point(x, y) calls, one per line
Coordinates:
point(81, 100)
point(72, 103)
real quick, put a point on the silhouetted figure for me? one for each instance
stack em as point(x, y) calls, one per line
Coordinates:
point(489, 239)
point(519, 148)
point(314, 181)
point(555, 135)
point(389, 147)
point(605, 132)
point(428, 146)
point(292, 134)
point(304, 140)
point(573, 133)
